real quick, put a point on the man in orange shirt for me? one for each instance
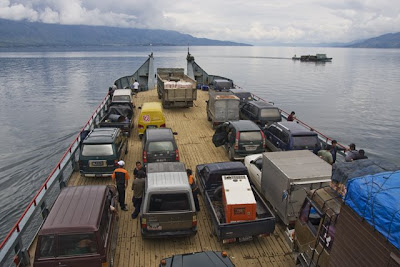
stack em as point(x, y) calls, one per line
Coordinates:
point(121, 177)
point(195, 189)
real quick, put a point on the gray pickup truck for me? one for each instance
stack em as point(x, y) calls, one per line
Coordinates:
point(209, 179)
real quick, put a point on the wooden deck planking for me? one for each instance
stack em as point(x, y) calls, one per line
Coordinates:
point(195, 147)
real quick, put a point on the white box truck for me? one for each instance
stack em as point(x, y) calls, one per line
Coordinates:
point(286, 178)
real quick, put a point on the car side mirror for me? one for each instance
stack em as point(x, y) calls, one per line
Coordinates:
point(139, 107)
point(252, 162)
point(175, 133)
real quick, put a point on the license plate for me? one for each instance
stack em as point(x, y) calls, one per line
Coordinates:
point(161, 160)
point(245, 238)
point(97, 163)
point(154, 227)
point(151, 126)
point(251, 148)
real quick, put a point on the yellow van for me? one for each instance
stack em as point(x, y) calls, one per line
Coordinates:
point(151, 116)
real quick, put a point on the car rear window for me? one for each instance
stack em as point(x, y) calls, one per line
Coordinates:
point(169, 202)
point(250, 136)
point(122, 98)
point(160, 146)
point(76, 244)
point(305, 141)
point(97, 150)
point(270, 113)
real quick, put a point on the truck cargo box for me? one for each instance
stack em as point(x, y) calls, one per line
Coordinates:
point(238, 199)
point(174, 88)
point(222, 107)
point(286, 178)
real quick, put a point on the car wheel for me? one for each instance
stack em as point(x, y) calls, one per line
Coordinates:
point(208, 117)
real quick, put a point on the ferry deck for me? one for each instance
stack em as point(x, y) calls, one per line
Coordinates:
point(195, 147)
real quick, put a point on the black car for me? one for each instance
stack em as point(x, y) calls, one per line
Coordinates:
point(159, 145)
point(240, 138)
point(198, 259)
point(290, 136)
point(260, 112)
point(101, 150)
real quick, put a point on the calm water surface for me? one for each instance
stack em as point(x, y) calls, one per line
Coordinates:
point(47, 96)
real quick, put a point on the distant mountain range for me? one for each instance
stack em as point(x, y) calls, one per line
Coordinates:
point(35, 34)
point(28, 34)
point(390, 40)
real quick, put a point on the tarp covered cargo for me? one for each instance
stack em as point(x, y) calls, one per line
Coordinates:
point(376, 198)
point(123, 110)
point(343, 171)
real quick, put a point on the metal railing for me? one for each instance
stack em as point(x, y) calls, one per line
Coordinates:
point(14, 247)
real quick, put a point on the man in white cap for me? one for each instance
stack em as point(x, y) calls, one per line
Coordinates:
point(121, 177)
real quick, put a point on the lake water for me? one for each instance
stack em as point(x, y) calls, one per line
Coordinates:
point(47, 96)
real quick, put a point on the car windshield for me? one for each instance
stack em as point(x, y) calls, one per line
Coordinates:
point(270, 113)
point(169, 202)
point(47, 246)
point(250, 136)
point(76, 244)
point(305, 141)
point(121, 98)
point(97, 150)
point(160, 146)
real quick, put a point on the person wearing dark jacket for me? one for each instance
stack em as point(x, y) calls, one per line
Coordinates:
point(292, 116)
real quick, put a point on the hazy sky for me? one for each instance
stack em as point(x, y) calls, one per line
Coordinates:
point(249, 21)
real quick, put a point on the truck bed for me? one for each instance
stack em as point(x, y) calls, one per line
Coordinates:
point(195, 147)
point(264, 223)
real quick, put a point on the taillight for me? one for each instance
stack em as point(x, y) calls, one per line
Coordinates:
point(144, 223)
point(140, 126)
point(176, 155)
point(144, 156)
point(263, 138)
point(116, 163)
point(162, 125)
point(237, 141)
point(194, 221)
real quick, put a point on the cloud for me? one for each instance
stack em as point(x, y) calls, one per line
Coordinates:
point(256, 21)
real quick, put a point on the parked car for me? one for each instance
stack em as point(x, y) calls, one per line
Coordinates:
point(198, 259)
point(253, 164)
point(119, 116)
point(290, 136)
point(222, 107)
point(159, 145)
point(101, 150)
point(239, 138)
point(230, 220)
point(244, 96)
point(90, 241)
point(122, 96)
point(260, 112)
point(222, 84)
point(168, 207)
point(151, 116)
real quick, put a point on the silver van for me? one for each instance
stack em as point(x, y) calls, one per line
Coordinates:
point(168, 207)
point(222, 107)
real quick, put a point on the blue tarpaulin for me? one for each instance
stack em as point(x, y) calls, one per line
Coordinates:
point(376, 198)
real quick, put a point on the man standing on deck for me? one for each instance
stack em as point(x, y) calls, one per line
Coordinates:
point(135, 87)
point(121, 177)
point(138, 188)
point(195, 189)
point(138, 168)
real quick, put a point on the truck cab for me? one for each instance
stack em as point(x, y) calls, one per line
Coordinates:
point(315, 227)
